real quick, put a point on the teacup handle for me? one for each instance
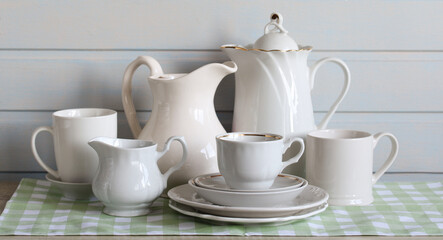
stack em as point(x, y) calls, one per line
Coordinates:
point(391, 158)
point(34, 150)
point(177, 166)
point(286, 146)
point(324, 122)
point(128, 103)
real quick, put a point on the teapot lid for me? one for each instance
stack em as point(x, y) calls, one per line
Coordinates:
point(276, 36)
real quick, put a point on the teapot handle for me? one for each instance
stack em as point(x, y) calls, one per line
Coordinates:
point(128, 104)
point(313, 70)
point(177, 166)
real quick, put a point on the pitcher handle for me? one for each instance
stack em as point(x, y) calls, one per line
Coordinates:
point(391, 158)
point(286, 146)
point(177, 166)
point(34, 150)
point(128, 104)
point(313, 70)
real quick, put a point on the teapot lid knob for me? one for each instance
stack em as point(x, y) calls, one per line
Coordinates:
point(277, 22)
point(276, 36)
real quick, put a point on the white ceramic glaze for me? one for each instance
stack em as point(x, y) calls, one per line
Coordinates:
point(217, 182)
point(72, 129)
point(341, 162)
point(311, 197)
point(252, 161)
point(73, 191)
point(273, 89)
point(301, 214)
point(183, 105)
point(128, 179)
point(248, 199)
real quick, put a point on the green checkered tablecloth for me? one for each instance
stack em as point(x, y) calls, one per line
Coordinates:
point(399, 209)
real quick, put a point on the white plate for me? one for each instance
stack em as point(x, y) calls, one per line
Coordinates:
point(216, 181)
point(311, 196)
point(248, 199)
point(74, 191)
point(186, 210)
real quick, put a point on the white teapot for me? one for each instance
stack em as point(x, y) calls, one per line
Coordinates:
point(273, 85)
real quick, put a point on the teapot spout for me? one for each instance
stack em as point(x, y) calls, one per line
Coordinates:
point(239, 54)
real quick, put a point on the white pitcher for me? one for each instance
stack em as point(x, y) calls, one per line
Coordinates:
point(273, 85)
point(184, 106)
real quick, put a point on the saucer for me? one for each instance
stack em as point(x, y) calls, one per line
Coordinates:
point(310, 197)
point(305, 213)
point(217, 182)
point(248, 199)
point(74, 191)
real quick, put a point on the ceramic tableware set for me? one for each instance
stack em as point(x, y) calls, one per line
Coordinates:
point(209, 197)
point(250, 188)
point(91, 160)
point(208, 173)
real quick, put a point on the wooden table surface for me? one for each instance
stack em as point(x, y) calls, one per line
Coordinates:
point(8, 188)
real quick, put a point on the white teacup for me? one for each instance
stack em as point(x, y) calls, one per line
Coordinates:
point(76, 161)
point(340, 162)
point(253, 160)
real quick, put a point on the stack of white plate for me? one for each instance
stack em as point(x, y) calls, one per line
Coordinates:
point(289, 198)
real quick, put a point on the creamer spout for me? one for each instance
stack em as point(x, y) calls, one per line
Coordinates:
point(100, 144)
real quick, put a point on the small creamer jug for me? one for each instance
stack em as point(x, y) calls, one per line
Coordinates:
point(128, 179)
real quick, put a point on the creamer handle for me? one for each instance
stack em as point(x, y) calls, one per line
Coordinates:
point(128, 104)
point(391, 158)
point(313, 71)
point(177, 166)
point(34, 150)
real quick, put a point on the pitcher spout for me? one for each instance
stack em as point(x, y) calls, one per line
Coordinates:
point(217, 70)
point(228, 67)
point(214, 71)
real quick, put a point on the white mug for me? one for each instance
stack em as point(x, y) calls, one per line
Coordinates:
point(253, 160)
point(341, 162)
point(76, 161)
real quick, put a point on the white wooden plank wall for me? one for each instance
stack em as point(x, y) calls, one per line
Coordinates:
point(66, 54)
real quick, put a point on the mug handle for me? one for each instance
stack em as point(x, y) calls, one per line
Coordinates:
point(286, 146)
point(177, 166)
point(313, 70)
point(391, 158)
point(34, 150)
point(128, 104)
